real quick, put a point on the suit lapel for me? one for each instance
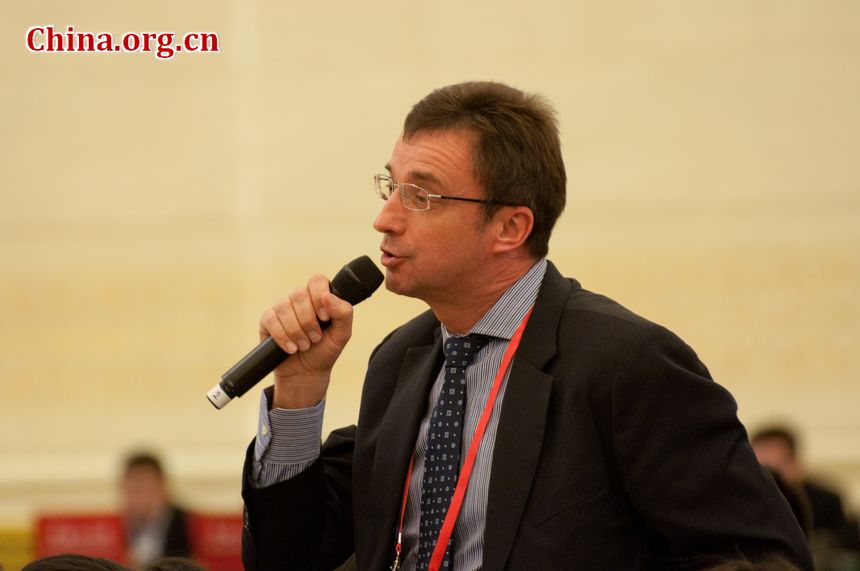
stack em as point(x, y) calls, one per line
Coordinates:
point(522, 421)
point(398, 430)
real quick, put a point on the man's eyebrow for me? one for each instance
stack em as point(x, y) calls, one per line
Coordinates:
point(424, 176)
point(417, 175)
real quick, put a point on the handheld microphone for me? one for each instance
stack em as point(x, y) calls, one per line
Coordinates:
point(354, 283)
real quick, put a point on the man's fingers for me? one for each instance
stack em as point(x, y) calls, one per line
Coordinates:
point(286, 314)
point(270, 326)
point(294, 323)
point(306, 316)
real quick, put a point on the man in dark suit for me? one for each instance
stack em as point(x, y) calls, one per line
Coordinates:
point(155, 526)
point(603, 444)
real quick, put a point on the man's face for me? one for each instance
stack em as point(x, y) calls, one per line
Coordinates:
point(145, 493)
point(434, 254)
point(775, 454)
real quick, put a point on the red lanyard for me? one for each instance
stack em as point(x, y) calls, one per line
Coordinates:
point(466, 471)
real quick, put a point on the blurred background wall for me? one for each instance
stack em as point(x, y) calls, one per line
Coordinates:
point(151, 210)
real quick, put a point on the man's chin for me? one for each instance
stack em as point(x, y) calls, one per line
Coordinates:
point(392, 283)
point(395, 284)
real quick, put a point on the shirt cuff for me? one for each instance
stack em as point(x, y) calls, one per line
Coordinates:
point(288, 441)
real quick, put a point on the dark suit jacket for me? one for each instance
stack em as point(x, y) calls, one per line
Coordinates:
point(177, 542)
point(827, 512)
point(615, 450)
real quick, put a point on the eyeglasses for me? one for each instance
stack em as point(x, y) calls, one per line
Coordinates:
point(416, 198)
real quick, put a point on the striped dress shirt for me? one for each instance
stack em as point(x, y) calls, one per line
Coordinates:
point(288, 441)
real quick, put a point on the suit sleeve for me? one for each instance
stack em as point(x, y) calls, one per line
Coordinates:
point(304, 522)
point(686, 462)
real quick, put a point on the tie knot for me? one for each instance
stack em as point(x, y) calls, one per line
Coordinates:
point(460, 351)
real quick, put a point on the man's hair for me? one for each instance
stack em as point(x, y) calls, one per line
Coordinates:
point(776, 432)
point(517, 154)
point(143, 460)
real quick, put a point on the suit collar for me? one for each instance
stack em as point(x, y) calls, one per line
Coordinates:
point(522, 421)
point(400, 427)
point(538, 345)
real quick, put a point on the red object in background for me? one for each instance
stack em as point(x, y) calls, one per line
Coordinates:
point(95, 535)
point(216, 540)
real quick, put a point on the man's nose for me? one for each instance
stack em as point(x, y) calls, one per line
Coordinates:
point(391, 218)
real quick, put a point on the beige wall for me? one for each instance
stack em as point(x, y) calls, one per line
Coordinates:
point(151, 210)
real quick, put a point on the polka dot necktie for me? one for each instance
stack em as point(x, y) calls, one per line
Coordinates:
point(444, 435)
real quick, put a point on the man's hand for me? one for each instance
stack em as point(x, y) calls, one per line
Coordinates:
point(302, 380)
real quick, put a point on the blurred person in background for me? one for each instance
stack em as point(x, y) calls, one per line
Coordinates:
point(776, 447)
point(155, 527)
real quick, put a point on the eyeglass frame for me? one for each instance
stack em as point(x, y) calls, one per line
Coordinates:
point(400, 185)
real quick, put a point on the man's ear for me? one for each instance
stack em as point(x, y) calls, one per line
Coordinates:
point(514, 226)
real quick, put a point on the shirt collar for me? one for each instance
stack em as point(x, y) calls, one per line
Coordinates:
point(509, 310)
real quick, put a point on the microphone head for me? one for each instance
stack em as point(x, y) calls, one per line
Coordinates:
point(357, 280)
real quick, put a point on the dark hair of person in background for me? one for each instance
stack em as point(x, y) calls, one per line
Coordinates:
point(73, 562)
point(144, 460)
point(517, 153)
point(174, 564)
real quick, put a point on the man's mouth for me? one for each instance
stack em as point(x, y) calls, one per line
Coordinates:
point(389, 258)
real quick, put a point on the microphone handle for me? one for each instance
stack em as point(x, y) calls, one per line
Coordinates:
point(251, 369)
point(354, 283)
